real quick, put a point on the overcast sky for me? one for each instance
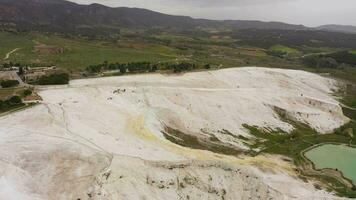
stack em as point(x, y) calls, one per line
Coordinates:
point(307, 12)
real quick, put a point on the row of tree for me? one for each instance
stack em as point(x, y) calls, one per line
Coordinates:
point(10, 64)
point(9, 83)
point(53, 79)
point(143, 67)
point(123, 67)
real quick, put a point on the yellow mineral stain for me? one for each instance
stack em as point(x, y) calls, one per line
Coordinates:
point(264, 162)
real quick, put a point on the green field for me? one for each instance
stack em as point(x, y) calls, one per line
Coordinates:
point(287, 50)
point(78, 53)
point(75, 54)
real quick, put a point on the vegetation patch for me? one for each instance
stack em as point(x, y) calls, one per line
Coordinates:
point(294, 144)
point(283, 51)
point(53, 79)
point(10, 103)
point(213, 144)
point(9, 83)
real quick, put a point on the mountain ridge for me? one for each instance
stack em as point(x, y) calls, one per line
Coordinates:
point(338, 28)
point(96, 19)
point(65, 16)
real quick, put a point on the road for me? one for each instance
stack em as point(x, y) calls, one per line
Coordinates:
point(7, 56)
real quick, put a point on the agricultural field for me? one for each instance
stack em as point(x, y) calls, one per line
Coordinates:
point(218, 49)
point(76, 54)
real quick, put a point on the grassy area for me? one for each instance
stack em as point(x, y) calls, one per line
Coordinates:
point(318, 50)
point(286, 50)
point(302, 138)
point(349, 97)
point(346, 74)
point(76, 54)
point(8, 92)
point(213, 144)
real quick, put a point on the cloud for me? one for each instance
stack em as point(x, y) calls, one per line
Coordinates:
point(195, 3)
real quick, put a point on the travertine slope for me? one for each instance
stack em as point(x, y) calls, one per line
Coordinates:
point(102, 138)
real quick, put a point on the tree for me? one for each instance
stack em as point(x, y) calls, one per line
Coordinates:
point(15, 100)
point(112, 66)
point(105, 64)
point(54, 79)
point(94, 68)
point(21, 72)
point(27, 92)
point(154, 68)
point(122, 69)
point(207, 66)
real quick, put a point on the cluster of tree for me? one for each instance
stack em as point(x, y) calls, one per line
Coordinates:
point(11, 64)
point(344, 57)
point(320, 61)
point(135, 67)
point(10, 102)
point(53, 79)
point(180, 67)
point(9, 83)
point(332, 60)
point(123, 67)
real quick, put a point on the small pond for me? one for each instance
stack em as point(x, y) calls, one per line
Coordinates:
point(332, 156)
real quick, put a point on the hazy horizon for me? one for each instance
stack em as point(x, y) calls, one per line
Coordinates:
point(306, 12)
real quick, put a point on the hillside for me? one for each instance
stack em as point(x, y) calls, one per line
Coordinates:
point(338, 28)
point(67, 17)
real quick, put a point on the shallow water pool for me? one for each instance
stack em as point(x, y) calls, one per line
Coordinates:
point(339, 157)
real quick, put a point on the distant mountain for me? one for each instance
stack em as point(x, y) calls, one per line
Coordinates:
point(68, 17)
point(338, 28)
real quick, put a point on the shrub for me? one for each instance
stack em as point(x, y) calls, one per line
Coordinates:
point(15, 100)
point(27, 92)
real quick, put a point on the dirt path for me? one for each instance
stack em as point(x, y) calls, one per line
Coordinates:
point(7, 56)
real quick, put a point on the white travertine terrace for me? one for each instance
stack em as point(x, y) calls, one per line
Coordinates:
point(101, 138)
